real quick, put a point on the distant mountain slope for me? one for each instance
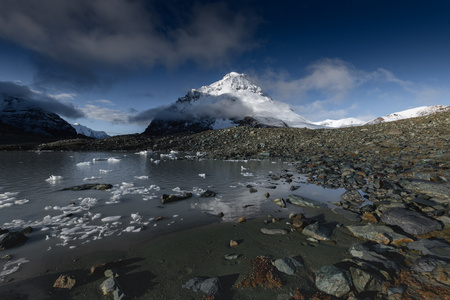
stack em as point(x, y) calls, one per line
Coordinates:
point(25, 116)
point(235, 100)
point(411, 113)
point(81, 129)
point(340, 123)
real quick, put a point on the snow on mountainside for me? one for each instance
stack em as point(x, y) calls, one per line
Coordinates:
point(411, 113)
point(24, 115)
point(234, 100)
point(81, 129)
point(347, 122)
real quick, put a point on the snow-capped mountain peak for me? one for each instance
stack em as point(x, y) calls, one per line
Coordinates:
point(81, 129)
point(346, 122)
point(234, 100)
point(231, 83)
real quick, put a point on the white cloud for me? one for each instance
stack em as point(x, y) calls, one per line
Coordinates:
point(63, 96)
point(104, 101)
point(105, 114)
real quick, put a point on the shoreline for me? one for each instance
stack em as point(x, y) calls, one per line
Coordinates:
point(390, 239)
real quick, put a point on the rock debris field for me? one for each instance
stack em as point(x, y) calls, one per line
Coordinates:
point(388, 236)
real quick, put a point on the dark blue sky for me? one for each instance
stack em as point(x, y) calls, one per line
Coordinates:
point(111, 59)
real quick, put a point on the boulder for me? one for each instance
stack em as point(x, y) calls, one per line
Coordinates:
point(434, 248)
point(287, 265)
point(304, 202)
point(366, 281)
point(410, 221)
point(208, 194)
point(352, 196)
point(12, 239)
point(378, 233)
point(375, 257)
point(316, 232)
point(334, 281)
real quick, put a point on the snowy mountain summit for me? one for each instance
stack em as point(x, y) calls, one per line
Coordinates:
point(235, 100)
point(81, 129)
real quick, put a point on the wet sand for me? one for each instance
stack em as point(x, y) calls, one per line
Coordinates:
point(157, 268)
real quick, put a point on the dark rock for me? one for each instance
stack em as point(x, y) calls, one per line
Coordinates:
point(410, 221)
point(27, 230)
point(352, 196)
point(349, 215)
point(209, 286)
point(89, 186)
point(378, 233)
point(334, 281)
point(12, 239)
point(434, 248)
point(2, 231)
point(426, 264)
point(208, 194)
point(172, 198)
point(378, 259)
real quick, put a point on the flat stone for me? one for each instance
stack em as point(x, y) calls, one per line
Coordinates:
point(287, 265)
point(332, 280)
point(316, 232)
point(430, 188)
point(426, 264)
point(304, 202)
point(274, 231)
point(410, 221)
point(431, 247)
point(378, 233)
point(209, 286)
point(374, 258)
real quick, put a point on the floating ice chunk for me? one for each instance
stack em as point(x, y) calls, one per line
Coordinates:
point(111, 219)
point(92, 178)
point(54, 178)
point(154, 187)
point(105, 171)
point(243, 168)
point(84, 164)
point(156, 162)
point(96, 216)
point(173, 152)
point(8, 195)
point(175, 216)
point(11, 267)
point(113, 160)
point(247, 174)
point(145, 152)
point(20, 202)
point(141, 177)
point(203, 175)
point(99, 159)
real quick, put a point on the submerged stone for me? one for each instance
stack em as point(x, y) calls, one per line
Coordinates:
point(173, 198)
point(12, 239)
point(89, 186)
point(304, 202)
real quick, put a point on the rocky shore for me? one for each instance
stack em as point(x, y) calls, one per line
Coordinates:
point(388, 236)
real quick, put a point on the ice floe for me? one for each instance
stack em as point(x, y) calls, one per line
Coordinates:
point(113, 160)
point(8, 199)
point(141, 177)
point(105, 171)
point(92, 178)
point(203, 175)
point(11, 266)
point(54, 178)
point(84, 164)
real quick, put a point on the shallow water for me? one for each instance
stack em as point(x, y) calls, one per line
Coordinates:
point(31, 183)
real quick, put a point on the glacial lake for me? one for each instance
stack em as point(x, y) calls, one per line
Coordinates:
point(30, 195)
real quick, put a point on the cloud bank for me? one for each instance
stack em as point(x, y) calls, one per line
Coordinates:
point(44, 101)
point(127, 33)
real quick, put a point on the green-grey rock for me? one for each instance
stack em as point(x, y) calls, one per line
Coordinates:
point(365, 281)
point(287, 265)
point(316, 232)
point(304, 202)
point(410, 221)
point(332, 280)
